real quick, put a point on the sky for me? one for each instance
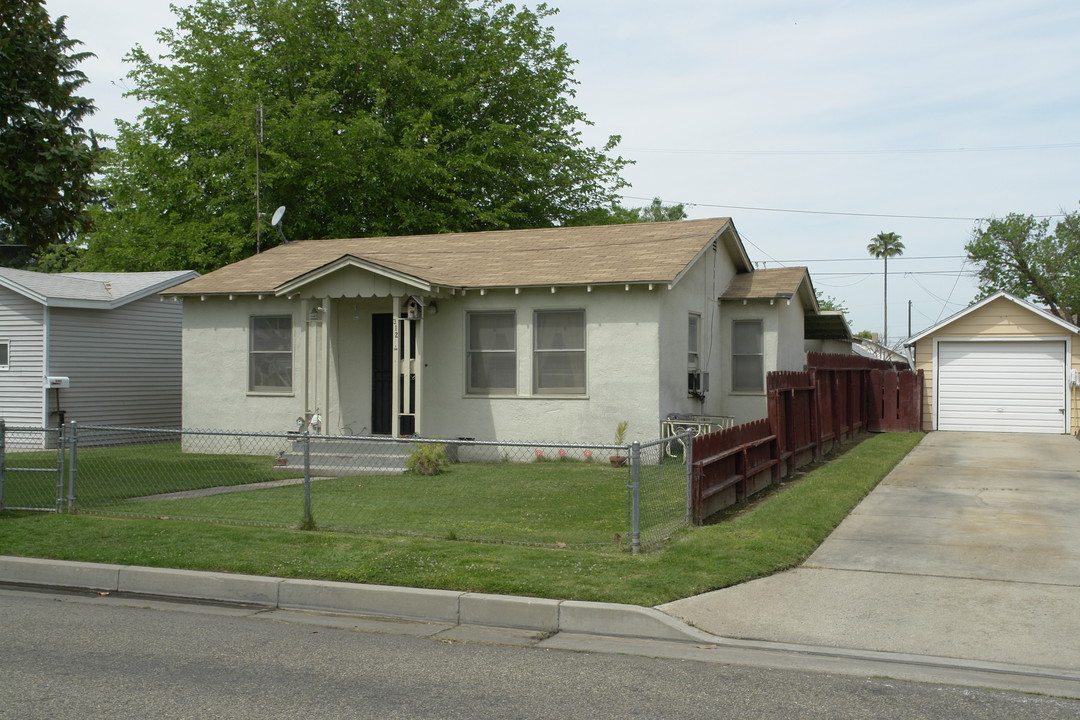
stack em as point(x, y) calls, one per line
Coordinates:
point(813, 125)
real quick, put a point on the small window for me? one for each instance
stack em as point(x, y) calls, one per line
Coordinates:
point(491, 353)
point(5, 351)
point(693, 343)
point(559, 352)
point(747, 356)
point(270, 363)
point(693, 356)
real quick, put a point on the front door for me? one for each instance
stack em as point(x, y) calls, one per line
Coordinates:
point(382, 373)
point(382, 378)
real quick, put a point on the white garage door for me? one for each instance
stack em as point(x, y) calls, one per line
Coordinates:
point(1001, 386)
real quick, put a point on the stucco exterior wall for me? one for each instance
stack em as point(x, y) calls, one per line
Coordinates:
point(783, 349)
point(696, 292)
point(1000, 318)
point(621, 369)
point(215, 367)
point(21, 389)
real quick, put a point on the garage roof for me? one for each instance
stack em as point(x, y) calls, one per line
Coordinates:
point(986, 301)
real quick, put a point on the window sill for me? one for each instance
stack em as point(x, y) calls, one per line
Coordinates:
point(265, 393)
point(524, 397)
point(749, 393)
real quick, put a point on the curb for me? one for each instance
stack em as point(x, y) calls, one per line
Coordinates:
point(445, 606)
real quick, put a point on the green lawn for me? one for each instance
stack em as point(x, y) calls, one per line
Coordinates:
point(549, 502)
point(542, 503)
point(108, 474)
point(773, 534)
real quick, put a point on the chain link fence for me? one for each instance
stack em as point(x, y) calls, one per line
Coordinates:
point(629, 497)
point(31, 468)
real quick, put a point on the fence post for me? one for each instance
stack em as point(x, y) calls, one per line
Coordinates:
point(3, 459)
point(688, 459)
point(635, 498)
point(308, 523)
point(60, 456)
point(73, 463)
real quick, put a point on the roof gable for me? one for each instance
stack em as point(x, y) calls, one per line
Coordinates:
point(975, 307)
point(772, 284)
point(90, 290)
point(605, 254)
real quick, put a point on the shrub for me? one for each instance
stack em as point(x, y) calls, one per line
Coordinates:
point(427, 459)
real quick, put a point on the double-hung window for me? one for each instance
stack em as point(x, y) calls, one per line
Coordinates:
point(491, 353)
point(270, 354)
point(5, 354)
point(559, 352)
point(748, 356)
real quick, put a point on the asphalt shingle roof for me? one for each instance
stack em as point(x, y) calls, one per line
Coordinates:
point(765, 284)
point(110, 289)
point(644, 252)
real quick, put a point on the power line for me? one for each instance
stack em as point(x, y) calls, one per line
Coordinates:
point(868, 258)
point(688, 203)
point(871, 273)
point(902, 151)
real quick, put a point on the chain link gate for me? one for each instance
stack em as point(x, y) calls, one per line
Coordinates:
point(31, 468)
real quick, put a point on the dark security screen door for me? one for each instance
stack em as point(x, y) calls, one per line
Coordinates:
point(382, 375)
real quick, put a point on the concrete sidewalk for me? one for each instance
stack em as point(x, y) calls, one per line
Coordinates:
point(969, 549)
point(448, 607)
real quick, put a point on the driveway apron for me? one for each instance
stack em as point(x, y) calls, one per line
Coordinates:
point(969, 549)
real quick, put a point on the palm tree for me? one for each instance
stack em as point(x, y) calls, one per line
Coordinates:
point(886, 245)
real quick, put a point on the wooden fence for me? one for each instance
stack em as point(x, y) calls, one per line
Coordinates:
point(834, 400)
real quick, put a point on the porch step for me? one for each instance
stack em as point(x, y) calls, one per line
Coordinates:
point(343, 457)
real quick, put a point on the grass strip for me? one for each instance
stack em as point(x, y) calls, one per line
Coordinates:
point(772, 534)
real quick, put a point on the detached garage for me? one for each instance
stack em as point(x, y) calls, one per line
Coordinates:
point(1001, 365)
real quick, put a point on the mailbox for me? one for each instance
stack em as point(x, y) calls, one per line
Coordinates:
point(57, 381)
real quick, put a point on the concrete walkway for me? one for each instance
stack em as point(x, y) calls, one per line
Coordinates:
point(969, 549)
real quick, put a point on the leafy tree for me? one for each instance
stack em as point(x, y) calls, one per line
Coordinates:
point(829, 303)
point(378, 117)
point(616, 214)
point(883, 246)
point(46, 156)
point(1019, 254)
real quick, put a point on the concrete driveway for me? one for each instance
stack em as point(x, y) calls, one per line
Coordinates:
point(969, 549)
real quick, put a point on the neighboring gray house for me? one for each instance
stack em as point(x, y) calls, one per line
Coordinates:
point(110, 335)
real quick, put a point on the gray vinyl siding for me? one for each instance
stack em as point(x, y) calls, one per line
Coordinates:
point(124, 364)
point(21, 384)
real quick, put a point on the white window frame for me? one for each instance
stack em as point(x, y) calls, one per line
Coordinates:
point(693, 341)
point(739, 358)
point(6, 364)
point(473, 353)
point(542, 355)
point(253, 353)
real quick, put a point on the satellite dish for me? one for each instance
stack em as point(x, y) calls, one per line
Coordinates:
point(275, 221)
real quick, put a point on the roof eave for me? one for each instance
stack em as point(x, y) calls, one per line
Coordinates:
point(986, 301)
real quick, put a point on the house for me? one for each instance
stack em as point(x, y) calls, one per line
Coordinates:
point(871, 348)
point(1001, 365)
point(93, 347)
point(552, 334)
